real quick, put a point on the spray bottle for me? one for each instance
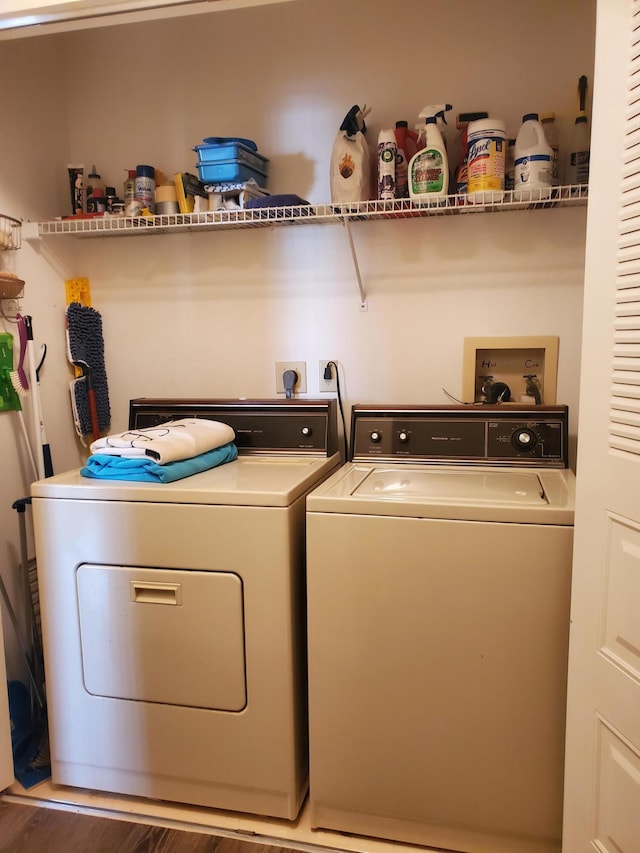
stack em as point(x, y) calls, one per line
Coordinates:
point(579, 149)
point(429, 167)
point(406, 147)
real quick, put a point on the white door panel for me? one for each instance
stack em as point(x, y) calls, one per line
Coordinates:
point(602, 779)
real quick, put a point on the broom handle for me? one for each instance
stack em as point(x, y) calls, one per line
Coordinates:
point(35, 402)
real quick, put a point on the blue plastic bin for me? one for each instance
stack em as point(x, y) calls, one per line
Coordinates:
point(232, 151)
point(225, 171)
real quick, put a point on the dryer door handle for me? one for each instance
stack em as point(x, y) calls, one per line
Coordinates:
point(143, 592)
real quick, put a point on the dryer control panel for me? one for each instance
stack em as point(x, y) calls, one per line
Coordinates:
point(473, 434)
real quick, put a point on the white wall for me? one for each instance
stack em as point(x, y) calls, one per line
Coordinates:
point(208, 314)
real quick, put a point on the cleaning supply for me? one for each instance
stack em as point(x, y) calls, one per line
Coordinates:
point(429, 167)
point(145, 187)
point(19, 377)
point(532, 172)
point(510, 165)
point(10, 386)
point(579, 149)
point(35, 397)
point(406, 147)
point(129, 186)
point(85, 350)
point(76, 172)
point(350, 168)
point(93, 187)
point(548, 122)
point(387, 149)
point(463, 120)
point(486, 160)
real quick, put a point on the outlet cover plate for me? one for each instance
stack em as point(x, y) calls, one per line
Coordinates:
point(300, 368)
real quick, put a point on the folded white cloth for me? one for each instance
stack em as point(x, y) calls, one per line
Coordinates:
point(167, 442)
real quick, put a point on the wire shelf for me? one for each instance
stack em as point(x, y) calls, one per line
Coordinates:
point(120, 226)
point(10, 233)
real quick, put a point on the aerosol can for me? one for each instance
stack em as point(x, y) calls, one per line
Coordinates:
point(429, 167)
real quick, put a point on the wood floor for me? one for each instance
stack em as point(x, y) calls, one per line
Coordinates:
point(31, 829)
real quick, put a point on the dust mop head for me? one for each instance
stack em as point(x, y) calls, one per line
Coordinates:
point(85, 343)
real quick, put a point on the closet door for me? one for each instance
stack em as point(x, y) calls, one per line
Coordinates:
point(602, 781)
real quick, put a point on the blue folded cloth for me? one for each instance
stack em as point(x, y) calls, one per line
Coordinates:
point(144, 470)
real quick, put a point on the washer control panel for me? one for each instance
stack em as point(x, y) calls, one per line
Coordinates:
point(480, 434)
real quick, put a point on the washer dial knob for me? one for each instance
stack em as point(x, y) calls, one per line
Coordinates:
point(403, 437)
point(524, 438)
point(306, 431)
point(376, 437)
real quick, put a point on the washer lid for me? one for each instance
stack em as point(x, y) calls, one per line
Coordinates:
point(481, 487)
point(489, 493)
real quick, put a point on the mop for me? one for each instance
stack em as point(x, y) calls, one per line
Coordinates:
point(85, 350)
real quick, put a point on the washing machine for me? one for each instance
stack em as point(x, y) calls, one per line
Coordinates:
point(438, 584)
point(174, 615)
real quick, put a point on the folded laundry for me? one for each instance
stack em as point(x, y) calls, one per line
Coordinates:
point(145, 470)
point(168, 442)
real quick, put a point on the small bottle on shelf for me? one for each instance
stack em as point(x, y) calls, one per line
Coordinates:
point(93, 182)
point(548, 122)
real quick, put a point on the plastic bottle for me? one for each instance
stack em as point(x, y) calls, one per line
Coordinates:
point(145, 190)
point(387, 149)
point(510, 165)
point(96, 201)
point(111, 197)
point(579, 149)
point(461, 175)
point(580, 153)
point(93, 182)
point(429, 167)
point(406, 147)
point(129, 186)
point(486, 160)
point(548, 122)
point(351, 162)
point(532, 172)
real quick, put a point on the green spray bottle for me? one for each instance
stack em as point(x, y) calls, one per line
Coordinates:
point(429, 167)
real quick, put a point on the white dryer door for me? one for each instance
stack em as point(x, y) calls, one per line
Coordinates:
point(158, 635)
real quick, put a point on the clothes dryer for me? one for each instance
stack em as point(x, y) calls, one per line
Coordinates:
point(438, 583)
point(173, 615)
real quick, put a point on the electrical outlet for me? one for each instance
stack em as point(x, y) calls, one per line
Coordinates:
point(328, 384)
point(300, 368)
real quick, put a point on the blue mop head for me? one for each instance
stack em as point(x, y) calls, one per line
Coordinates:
point(85, 343)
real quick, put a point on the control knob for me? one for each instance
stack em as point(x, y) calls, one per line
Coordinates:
point(403, 437)
point(307, 431)
point(376, 437)
point(524, 438)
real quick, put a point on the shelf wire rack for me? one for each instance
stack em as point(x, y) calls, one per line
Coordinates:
point(10, 233)
point(105, 225)
point(11, 287)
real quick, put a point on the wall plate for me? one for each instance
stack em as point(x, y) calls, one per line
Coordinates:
point(509, 360)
